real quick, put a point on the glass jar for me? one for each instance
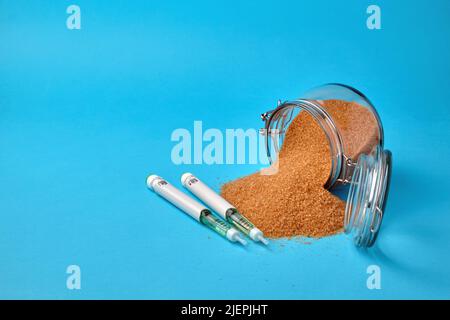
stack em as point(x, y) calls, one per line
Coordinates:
point(355, 136)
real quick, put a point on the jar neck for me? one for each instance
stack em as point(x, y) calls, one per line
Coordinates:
point(276, 119)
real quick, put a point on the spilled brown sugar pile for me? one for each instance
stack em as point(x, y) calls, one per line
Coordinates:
point(293, 202)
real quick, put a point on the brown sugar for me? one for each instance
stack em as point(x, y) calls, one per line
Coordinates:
point(293, 202)
point(357, 125)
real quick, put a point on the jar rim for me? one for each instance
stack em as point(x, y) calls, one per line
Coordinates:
point(326, 122)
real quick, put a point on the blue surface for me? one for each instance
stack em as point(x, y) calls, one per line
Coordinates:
point(86, 114)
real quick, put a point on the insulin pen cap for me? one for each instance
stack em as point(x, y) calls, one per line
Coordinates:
point(151, 179)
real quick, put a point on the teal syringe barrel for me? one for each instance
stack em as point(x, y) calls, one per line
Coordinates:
point(222, 207)
point(193, 208)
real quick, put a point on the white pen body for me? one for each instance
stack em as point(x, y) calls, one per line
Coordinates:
point(176, 197)
point(206, 194)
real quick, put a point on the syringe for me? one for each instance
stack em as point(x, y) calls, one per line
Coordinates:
point(193, 208)
point(221, 206)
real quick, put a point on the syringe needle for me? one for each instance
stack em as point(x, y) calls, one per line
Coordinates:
point(222, 207)
point(193, 208)
point(261, 238)
point(242, 241)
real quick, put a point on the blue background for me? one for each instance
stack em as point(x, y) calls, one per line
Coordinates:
point(86, 115)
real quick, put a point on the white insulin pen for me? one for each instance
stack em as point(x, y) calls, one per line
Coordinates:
point(222, 207)
point(196, 210)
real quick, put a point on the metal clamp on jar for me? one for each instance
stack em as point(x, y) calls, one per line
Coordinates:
point(357, 160)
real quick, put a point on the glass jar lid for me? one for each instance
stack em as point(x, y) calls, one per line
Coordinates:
point(367, 197)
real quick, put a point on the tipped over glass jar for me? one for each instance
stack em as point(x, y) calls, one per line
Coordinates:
point(355, 136)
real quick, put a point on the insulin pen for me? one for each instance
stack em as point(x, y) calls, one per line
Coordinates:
point(222, 207)
point(196, 210)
